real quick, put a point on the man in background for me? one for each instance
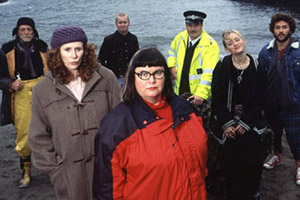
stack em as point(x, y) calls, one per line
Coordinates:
point(26, 64)
point(118, 48)
point(281, 61)
point(193, 56)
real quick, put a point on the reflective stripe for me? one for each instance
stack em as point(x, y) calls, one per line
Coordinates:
point(178, 45)
point(208, 71)
point(172, 51)
point(204, 82)
point(200, 59)
point(195, 77)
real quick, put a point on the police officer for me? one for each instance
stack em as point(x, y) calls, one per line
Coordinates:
point(192, 57)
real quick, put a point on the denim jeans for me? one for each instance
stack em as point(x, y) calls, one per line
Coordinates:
point(291, 123)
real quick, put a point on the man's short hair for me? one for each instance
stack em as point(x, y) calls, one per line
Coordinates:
point(282, 17)
point(122, 15)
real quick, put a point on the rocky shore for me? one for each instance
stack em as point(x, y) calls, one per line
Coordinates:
point(277, 184)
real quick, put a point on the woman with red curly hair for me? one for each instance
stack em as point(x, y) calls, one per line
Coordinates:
point(68, 105)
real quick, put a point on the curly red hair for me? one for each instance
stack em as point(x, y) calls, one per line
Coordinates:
point(62, 74)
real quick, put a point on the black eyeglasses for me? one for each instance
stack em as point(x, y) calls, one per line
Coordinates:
point(144, 75)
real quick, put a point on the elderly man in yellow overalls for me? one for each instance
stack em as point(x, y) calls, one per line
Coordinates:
point(26, 64)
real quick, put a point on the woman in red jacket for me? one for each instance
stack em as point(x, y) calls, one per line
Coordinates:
point(152, 145)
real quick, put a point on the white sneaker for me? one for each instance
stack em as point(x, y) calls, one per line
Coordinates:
point(298, 176)
point(273, 162)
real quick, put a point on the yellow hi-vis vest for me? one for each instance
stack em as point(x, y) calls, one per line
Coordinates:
point(205, 58)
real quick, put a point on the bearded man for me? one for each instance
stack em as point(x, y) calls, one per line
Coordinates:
point(281, 61)
point(25, 65)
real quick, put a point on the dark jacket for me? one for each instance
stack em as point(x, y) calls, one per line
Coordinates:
point(9, 67)
point(291, 59)
point(112, 52)
point(225, 96)
point(140, 155)
point(5, 80)
point(62, 130)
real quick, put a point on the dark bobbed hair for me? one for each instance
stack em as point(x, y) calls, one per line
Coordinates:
point(62, 74)
point(148, 56)
point(282, 17)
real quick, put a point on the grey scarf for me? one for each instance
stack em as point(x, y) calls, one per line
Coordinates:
point(27, 58)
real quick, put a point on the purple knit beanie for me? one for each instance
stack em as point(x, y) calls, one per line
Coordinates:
point(66, 34)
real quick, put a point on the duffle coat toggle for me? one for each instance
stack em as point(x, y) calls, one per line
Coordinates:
point(80, 104)
point(88, 159)
point(57, 91)
point(85, 132)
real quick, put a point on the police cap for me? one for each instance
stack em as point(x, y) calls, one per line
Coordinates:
point(194, 17)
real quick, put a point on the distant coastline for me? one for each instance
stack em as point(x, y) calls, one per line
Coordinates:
point(291, 4)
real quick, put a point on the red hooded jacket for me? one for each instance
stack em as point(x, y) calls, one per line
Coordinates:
point(142, 156)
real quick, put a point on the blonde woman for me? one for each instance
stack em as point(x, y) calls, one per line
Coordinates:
point(237, 105)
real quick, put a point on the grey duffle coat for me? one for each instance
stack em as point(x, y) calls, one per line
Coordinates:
point(62, 130)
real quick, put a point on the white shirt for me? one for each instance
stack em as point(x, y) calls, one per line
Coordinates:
point(76, 86)
point(194, 41)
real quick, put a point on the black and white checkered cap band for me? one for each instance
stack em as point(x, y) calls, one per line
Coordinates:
point(193, 17)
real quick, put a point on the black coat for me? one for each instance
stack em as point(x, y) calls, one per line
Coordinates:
point(5, 80)
point(112, 55)
point(250, 97)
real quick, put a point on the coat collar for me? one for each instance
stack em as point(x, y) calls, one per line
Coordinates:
point(181, 110)
point(89, 85)
point(94, 80)
point(295, 43)
point(204, 40)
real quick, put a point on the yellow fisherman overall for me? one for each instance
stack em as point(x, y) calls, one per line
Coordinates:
point(22, 115)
